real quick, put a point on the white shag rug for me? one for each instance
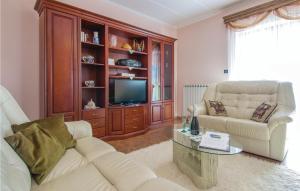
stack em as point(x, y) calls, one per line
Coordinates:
point(235, 172)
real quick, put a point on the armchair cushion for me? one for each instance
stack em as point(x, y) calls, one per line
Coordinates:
point(79, 129)
point(213, 122)
point(248, 128)
point(263, 112)
point(215, 108)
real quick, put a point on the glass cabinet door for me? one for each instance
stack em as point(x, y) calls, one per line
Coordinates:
point(156, 71)
point(168, 72)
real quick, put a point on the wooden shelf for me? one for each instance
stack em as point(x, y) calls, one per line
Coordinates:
point(125, 77)
point(126, 67)
point(96, 87)
point(123, 50)
point(94, 64)
point(92, 44)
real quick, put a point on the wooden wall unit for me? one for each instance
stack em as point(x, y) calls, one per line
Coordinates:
point(62, 68)
point(63, 72)
point(162, 81)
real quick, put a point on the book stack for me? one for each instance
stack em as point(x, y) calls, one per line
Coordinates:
point(215, 140)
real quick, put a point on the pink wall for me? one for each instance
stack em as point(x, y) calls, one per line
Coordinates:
point(202, 51)
point(19, 45)
point(19, 53)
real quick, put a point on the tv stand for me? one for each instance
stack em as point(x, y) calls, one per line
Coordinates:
point(124, 121)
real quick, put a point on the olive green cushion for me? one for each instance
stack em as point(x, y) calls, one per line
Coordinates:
point(55, 125)
point(38, 149)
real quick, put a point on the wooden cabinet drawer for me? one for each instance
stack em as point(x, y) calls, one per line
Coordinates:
point(97, 123)
point(93, 114)
point(134, 111)
point(134, 126)
point(99, 132)
point(133, 119)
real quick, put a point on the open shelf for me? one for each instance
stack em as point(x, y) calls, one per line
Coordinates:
point(91, 44)
point(125, 67)
point(98, 108)
point(125, 77)
point(93, 71)
point(96, 87)
point(89, 64)
point(125, 51)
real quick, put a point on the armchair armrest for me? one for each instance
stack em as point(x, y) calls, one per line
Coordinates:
point(200, 107)
point(278, 118)
point(79, 129)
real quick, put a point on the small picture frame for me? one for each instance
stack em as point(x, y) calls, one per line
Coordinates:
point(111, 61)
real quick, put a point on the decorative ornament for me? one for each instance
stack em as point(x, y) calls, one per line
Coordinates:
point(90, 105)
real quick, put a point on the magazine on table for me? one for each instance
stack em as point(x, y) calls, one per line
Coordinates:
point(215, 140)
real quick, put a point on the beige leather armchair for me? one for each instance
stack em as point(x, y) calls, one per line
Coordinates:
point(240, 99)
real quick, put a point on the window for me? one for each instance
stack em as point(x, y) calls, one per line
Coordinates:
point(268, 51)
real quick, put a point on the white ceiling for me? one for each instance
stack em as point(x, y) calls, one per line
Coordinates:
point(176, 12)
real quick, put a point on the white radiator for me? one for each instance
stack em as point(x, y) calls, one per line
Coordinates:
point(192, 94)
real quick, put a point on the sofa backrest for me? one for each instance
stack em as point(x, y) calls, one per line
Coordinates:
point(14, 172)
point(11, 112)
point(241, 98)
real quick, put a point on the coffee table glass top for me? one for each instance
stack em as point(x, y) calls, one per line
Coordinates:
point(183, 137)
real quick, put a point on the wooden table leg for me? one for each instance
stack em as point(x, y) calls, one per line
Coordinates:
point(201, 167)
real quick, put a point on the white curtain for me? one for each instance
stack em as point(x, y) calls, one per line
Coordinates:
point(268, 51)
point(156, 73)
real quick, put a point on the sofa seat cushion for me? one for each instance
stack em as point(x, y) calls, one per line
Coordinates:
point(71, 160)
point(217, 123)
point(91, 147)
point(248, 128)
point(86, 178)
point(122, 172)
point(160, 184)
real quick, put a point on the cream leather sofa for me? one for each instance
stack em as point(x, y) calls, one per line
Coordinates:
point(240, 99)
point(92, 165)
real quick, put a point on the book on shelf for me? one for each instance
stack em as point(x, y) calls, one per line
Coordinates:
point(215, 140)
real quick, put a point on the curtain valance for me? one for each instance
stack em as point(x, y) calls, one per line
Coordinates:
point(286, 9)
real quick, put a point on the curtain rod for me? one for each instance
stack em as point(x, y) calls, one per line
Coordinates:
point(269, 6)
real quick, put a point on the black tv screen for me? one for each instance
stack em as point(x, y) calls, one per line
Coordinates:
point(123, 91)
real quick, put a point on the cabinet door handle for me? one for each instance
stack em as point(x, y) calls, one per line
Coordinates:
point(135, 127)
point(94, 114)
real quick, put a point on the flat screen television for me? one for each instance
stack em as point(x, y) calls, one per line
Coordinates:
point(126, 91)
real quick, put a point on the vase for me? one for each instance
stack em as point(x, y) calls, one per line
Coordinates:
point(195, 126)
point(96, 38)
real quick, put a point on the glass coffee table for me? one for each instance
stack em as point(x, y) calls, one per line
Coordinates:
point(200, 164)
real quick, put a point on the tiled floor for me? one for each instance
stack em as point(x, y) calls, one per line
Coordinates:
point(164, 133)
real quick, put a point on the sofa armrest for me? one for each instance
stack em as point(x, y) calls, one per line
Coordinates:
point(79, 129)
point(278, 118)
point(201, 108)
